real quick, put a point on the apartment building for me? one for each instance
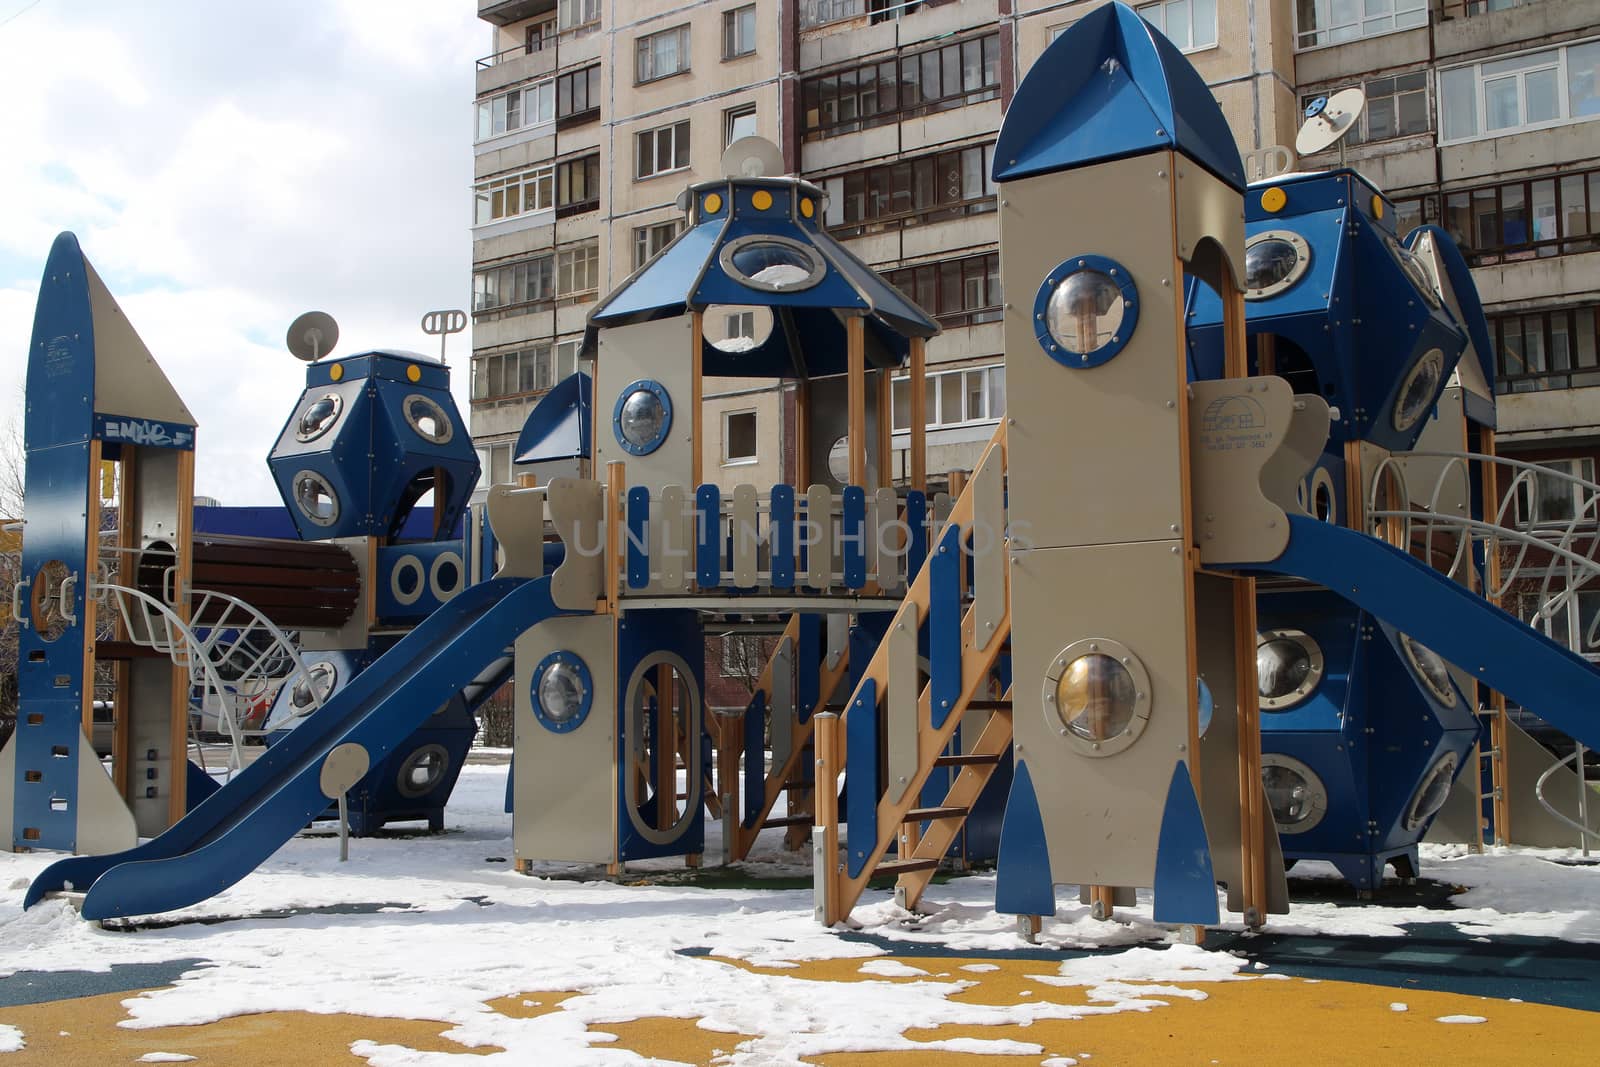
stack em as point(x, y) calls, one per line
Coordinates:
point(592, 116)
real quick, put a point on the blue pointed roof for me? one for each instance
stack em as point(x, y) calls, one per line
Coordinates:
point(558, 425)
point(701, 268)
point(1110, 87)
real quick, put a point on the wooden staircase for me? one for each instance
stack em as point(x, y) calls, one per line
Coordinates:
point(894, 730)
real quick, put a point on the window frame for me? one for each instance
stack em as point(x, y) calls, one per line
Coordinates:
point(868, 95)
point(732, 115)
point(648, 242)
point(654, 134)
point(569, 116)
point(1361, 132)
point(922, 280)
point(1578, 353)
point(890, 195)
point(989, 374)
point(1413, 7)
point(546, 267)
point(580, 170)
point(1161, 6)
point(541, 179)
point(1466, 210)
point(728, 458)
point(644, 50)
point(1480, 116)
point(731, 32)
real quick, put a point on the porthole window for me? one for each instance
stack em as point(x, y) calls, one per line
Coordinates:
point(561, 692)
point(1323, 506)
point(1295, 793)
point(311, 689)
point(1097, 696)
point(1273, 261)
point(428, 419)
point(318, 417)
point(1086, 311)
point(1430, 670)
point(771, 264)
point(1205, 706)
point(642, 417)
point(1417, 270)
point(422, 771)
point(839, 460)
point(315, 498)
point(1431, 792)
point(1289, 667)
point(1417, 392)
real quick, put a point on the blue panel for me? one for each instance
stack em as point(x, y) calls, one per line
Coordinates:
point(862, 783)
point(413, 580)
point(780, 525)
point(639, 635)
point(853, 537)
point(662, 287)
point(708, 537)
point(917, 520)
point(755, 765)
point(1459, 277)
point(638, 537)
point(149, 433)
point(808, 665)
point(558, 426)
point(1023, 884)
point(1108, 88)
point(1186, 887)
point(511, 786)
point(944, 626)
point(198, 786)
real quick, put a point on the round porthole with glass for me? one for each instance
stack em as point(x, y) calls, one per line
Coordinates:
point(1295, 793)
point(1273, 261)
point(428, 419)
point(1430, 670)
point(1097, 696)
point(839, 460)
point(311, 689)
point(1417, 270)
point(1289, 667)
point(318, 417)
point(315, 498)
point(1323, 506)
point(1086, 311)
point(642, 417)
point(771, 264)
point(422, 771)
point(1205, 706)
point(561, 692)
point(1417, 392)
point(1431, 792)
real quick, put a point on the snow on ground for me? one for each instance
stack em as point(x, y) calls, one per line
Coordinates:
point(11, 1039)
point(432, 927)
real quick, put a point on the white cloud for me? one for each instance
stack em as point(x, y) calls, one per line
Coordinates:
point(228, 167)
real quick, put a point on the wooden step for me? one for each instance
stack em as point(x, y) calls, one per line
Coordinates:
point(924, 814)
point(968, 759)
point(789, 820)
point(899, 867)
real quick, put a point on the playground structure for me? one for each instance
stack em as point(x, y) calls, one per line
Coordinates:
point(1218, 594)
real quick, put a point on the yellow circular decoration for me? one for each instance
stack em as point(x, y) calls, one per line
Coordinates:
point(1377, 206)
point(807, 208)
point(413, 373)
point(336, 371)
point(713, 204)
point(1273, 199)
point(761, 199)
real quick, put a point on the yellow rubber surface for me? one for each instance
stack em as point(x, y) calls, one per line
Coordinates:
point(1247, 1022)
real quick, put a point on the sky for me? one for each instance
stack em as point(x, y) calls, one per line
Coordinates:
point(229, 166)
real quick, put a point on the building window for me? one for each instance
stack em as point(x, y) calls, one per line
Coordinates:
point(1538, 350)
point(578, 96)
point(578, 269)
point(574, 13)
point(650, 240)
point(541, 35)
point(524, 372)
point(738, 122)
point(1532, 91)
point(945, 185)
point(740, 325)
point(661, 55)
point(1544, 500)
point(518, 194)
point(739, 32)
point(738, 437)
point(1549, 216)
point(661, 151)
point(1396, 107)
point(958, 292)
point(1322, 22)
point(518, 108)
point(577, 185)
point(1189, 24)
point(876, 94)
point(1483, 7)
point(954, 398)
point(538, 279)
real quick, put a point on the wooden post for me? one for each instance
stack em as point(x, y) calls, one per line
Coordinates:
point(91, 570)
point(1266, 353)
point(697, 432)
point(183, 546)
point(802, 436)
point(855, 340)
point(918, 386)
point(127, 542)
point(885, 434)
point(666, 748)
point(1499, 729)
point(826, 859)
point(616, 489)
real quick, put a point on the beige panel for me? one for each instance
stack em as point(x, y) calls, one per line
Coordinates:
point(988, 549)
point(1468, 373)
point(746, 537)
point(1530, 823)
point(658, 351)
point(8, 779)
point(517, 518)
point(565, 784)
point(1208, 208)
point(1297, 453)
point(891, 552)
point(127, 379)
point(1235, 425)
point(783, 702)
point(577, 509)
point(670, 539)
point(819, 532)
point(1443, 487)
point(104, 823)
point(1132, 593)
point(1083, 438)
point(904, 693)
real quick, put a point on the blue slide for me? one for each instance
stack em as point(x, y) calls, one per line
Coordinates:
point(234, 830)
point(1503, 652)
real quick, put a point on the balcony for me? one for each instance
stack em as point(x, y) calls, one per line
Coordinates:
point(505, 12)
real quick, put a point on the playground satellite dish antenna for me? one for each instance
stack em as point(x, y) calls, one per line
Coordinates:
point(312, 336)
point(1328, 119)
point(752, 157)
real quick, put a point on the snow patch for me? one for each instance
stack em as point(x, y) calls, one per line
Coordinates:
point(1399, 1005)
point(11, 1039)
point(891, 969)
point(781, 274)
point(165, 1057)
point(1461, 1019)
point(980, 968)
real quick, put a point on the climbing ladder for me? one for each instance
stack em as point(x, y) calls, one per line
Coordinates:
point(894, 730)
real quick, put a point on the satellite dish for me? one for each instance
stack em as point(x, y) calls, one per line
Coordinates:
point(312, 336)
point(1328, 119)
point(752, 157)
